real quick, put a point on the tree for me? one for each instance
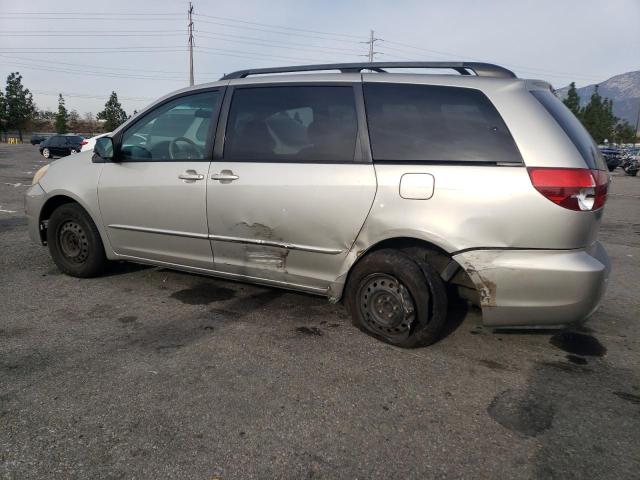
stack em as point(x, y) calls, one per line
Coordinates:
point(74, 121)
point(62, 116)
point(113, 114)
point(573, 100)
point(89, 123)
point(624, 133)
point(598, 117)
point(3, 111)
point(20, 109)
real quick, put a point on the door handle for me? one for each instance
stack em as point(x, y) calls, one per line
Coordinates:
point(191, 175)
point(225, 176)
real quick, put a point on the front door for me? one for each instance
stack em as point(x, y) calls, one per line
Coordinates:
point(153, 198)
point(291, 191)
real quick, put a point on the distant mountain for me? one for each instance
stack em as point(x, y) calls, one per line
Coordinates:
point(623, 89)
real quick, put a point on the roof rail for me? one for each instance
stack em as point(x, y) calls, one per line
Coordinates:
point(463, 68)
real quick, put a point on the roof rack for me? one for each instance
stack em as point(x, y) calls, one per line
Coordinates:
point(463, 68)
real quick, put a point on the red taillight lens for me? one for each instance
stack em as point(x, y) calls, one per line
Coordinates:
point(84, 142)
point(572, 188)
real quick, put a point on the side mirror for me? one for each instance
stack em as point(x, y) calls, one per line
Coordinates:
point(103, 149)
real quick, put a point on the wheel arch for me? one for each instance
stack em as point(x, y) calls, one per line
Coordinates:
point(55, 201)
point(437, 256)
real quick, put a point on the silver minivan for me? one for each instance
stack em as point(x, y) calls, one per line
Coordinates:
point(391, 192)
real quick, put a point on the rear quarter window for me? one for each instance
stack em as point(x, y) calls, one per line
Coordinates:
point(572, 127)
point(436, 124)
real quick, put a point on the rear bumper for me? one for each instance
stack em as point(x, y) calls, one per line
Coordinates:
point(537, 287)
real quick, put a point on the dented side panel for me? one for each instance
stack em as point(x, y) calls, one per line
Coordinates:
point(287, 221)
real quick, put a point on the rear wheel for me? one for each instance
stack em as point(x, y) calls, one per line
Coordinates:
point(73, 150)
point(397, 298)
point(75, 243)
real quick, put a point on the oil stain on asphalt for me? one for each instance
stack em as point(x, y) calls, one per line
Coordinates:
point(203, 294)
point(311, 331)
point(578, 344)
point(521, 412)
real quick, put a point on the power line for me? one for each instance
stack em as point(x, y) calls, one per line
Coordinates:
point(280, 26)
point(242, 54)
point(83, 65)
point(99, 97)
point(526, 69)
point(275, 31)
point(90, 73)
point(163, 34)
point(280, 45)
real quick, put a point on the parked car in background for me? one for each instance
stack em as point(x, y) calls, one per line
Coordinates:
point(61, 146)
point(89, 143)
point(612, 156)
point(37, 138)
point(387, 191)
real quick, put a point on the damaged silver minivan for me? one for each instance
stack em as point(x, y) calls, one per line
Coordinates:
point(387, 191)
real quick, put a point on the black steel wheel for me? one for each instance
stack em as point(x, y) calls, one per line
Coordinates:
point(396, 298)
point(386, 305)
point(74, 242)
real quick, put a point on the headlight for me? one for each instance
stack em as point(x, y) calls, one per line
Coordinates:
point(39, 174)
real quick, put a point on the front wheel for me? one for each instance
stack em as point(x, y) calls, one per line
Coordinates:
point(397, 298)
point(46, 153)
point(75, 243)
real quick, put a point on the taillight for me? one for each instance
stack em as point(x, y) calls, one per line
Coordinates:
point(84, 142)
point(572, 188)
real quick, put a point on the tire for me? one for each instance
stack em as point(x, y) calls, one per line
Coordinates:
point(75, 243)
point(397, 298)
point(46, 153)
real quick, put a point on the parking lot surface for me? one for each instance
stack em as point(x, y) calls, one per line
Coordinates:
point(152, 373)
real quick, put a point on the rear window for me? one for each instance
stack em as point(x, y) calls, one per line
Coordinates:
point(572, 127)
point(437, 124)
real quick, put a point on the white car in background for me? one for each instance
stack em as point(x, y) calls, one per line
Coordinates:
point(89, 143)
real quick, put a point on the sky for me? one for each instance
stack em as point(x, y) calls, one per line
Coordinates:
point(86, 49)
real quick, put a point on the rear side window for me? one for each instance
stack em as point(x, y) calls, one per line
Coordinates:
point(572, 127)
point(292, 123)
point(435, 123)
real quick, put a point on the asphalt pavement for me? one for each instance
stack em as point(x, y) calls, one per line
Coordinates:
point(151, 373)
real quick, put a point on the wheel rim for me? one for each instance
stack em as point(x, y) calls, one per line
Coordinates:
point(73, 242)
point(73, 150)
point(45, 153)
point(386, 305)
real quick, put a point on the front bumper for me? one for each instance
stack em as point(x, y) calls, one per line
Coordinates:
point(33, 200)
point(537, 287)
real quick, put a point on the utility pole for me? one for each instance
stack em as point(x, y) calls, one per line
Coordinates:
point(190, 45)
point(371, 42)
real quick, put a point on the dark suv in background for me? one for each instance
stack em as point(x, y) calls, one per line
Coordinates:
point(61, 145)
point(37, 138)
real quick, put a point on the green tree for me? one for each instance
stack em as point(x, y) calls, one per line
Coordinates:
point(598, 117)
point(3, 111)
point(74, 121)
point(20, 108)
point(113, 114)
point(573, 100)
point(624, 133)
point(62, 116)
